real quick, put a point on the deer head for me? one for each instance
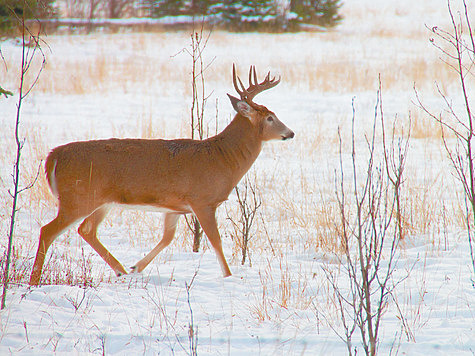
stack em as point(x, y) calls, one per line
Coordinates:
point(267, 123)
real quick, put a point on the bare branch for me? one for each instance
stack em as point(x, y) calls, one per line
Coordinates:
point(460, 155)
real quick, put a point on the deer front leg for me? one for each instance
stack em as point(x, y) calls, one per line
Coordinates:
point(171, 219)
point(207, 219)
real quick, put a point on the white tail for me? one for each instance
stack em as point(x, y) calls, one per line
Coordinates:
point(177, 176)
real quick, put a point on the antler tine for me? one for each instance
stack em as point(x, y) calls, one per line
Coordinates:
point(253, 74)
point(254, 86)
point(242, 91)
point(273, 81)
point(268, 77)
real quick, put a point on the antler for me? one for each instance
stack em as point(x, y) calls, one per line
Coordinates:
point(254, 86)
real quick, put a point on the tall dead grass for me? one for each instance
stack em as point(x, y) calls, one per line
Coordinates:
point(283, 287)
point(141, 68)
point(339, 74)
point(135, 73)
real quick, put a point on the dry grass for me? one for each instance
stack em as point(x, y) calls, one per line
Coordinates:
point(283, 287)
point(424, 128)
point(133, 73)
point(137, 69)
point(104, 73)
point(348, 75)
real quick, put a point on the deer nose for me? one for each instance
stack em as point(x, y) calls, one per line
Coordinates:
point(288, 135)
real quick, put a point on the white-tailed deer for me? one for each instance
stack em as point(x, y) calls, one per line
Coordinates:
point(177, 176)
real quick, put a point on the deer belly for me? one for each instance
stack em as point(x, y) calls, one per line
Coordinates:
point(183, 209)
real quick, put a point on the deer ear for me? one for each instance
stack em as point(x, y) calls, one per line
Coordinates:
point(234, 102)
point(241, 107)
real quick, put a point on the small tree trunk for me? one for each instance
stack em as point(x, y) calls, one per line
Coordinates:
point(197, 234)
point(26, 60)
point(16, 173)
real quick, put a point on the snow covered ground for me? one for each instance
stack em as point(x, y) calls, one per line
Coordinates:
point(138, 85)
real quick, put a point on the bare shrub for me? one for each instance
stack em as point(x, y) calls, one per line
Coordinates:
point(371, 229)
point(249, 202)
point(199, 40)
point(458, 50)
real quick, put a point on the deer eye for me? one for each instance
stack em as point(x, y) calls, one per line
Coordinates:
point(270, 119)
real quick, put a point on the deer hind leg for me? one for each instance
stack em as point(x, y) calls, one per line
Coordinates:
point(88, 231)
point(171, 219)
point(47, 235)
point(207, 219)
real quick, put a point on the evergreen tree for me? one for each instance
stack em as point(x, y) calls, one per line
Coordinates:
point(246, 15)
point(318, 12)
point(162, 8)
point(251, 15)
point(30, 9)
point(200, 7)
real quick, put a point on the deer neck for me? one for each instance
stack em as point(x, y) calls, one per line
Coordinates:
point(239, 145)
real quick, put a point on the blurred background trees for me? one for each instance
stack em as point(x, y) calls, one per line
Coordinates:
point(231, 15)
point(318, 12)
point(13, 10)
point(251, 15)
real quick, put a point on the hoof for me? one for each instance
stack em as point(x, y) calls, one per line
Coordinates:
point(120, 274)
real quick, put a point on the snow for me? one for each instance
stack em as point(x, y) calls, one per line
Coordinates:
point(281, 303)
